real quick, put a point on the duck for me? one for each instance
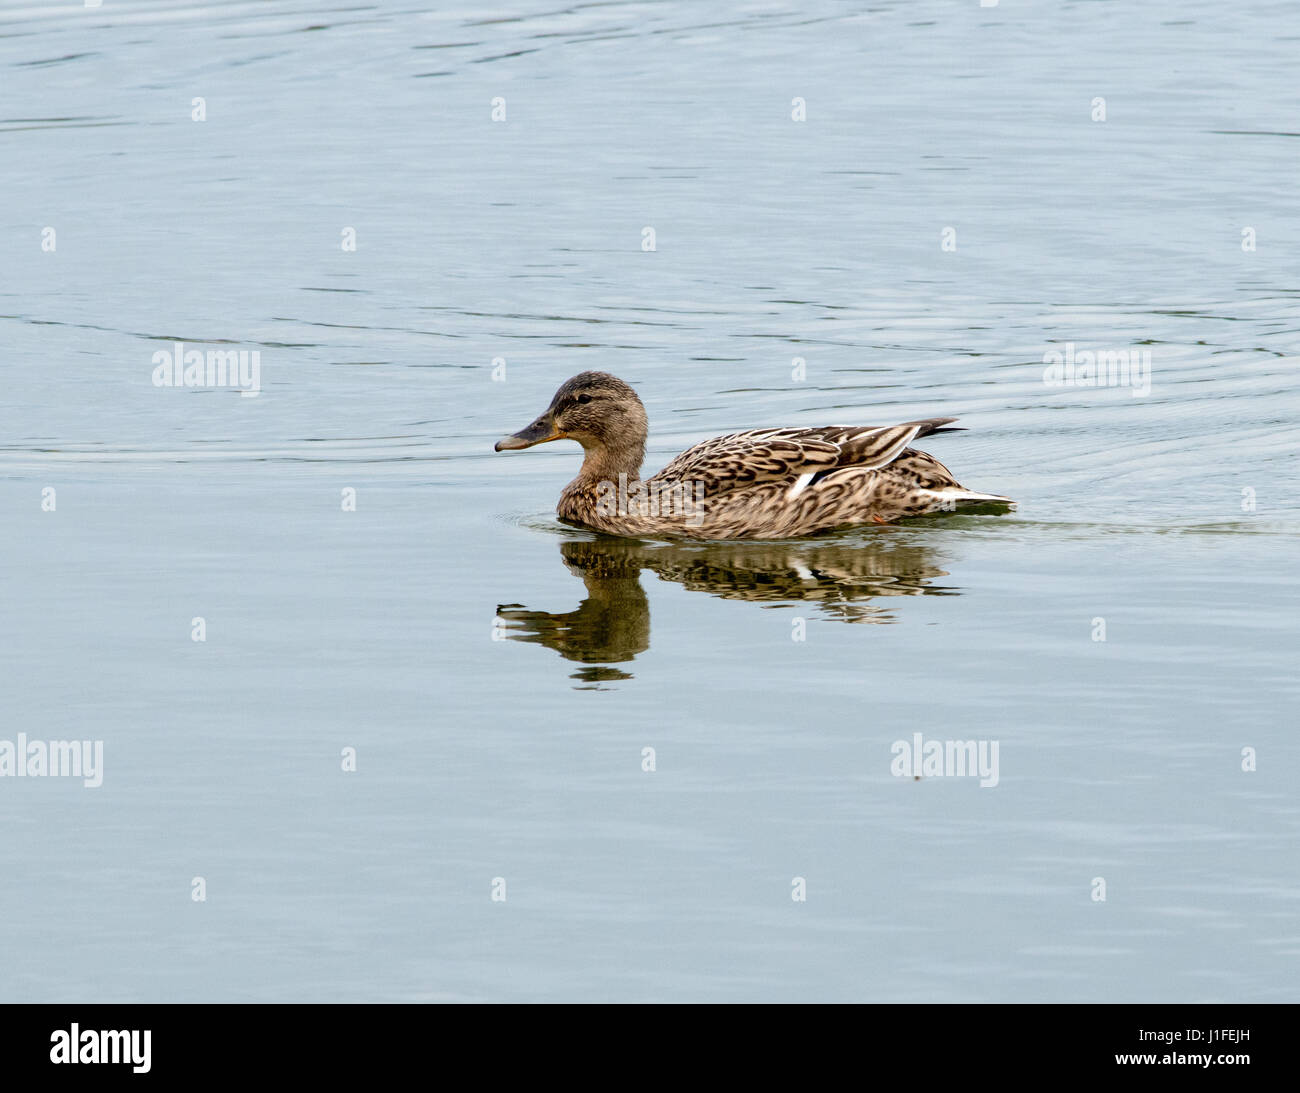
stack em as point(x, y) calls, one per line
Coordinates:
point(778, 483)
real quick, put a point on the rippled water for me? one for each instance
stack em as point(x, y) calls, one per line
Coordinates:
point(514, 249)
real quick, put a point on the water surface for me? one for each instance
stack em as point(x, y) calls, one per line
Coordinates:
point(500, 675)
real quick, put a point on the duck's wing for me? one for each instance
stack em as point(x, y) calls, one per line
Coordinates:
point(740, 460)
point(870, 447)
point(795, 456)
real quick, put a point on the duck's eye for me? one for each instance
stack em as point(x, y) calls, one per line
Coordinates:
point(584, 399)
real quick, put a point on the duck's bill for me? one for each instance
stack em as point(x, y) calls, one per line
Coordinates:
point(539, 432)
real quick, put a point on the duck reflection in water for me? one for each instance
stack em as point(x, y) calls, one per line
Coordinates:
point(612, 625)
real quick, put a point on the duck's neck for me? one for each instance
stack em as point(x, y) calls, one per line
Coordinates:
point(602, 463)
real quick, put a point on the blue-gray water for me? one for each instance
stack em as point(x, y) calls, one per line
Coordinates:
point(1168, 518)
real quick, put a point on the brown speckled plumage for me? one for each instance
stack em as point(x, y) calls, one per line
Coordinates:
point(760, 484)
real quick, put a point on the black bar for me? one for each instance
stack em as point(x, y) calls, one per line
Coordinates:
point(336, 1043)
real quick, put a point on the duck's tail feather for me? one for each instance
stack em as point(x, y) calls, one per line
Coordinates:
point(930, 425)
point(959, 495)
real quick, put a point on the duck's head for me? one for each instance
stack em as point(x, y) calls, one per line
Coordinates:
point(596, 409)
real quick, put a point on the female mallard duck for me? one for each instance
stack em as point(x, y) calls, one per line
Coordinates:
point(763, 484)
